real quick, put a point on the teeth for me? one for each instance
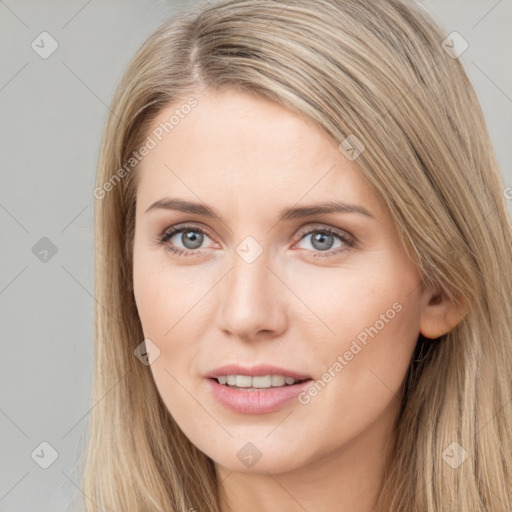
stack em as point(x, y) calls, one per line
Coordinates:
point(278, 380)
point(243, 381)
point(264, 381)
point(261, 382)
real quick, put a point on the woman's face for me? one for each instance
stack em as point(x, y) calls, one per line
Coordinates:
point(270, 294)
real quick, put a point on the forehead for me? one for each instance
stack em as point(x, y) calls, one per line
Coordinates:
point(238, 147)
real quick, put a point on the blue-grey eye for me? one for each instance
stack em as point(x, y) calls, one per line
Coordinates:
point(321, 240)
point(190, 238)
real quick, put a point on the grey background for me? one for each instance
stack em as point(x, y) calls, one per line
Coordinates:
point(52, 113)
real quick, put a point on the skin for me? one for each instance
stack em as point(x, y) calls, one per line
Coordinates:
point(248, 158)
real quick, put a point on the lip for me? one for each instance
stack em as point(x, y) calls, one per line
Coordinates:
point(260, 401)
point(255, 371)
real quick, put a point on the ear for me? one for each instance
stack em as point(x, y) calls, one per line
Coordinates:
point(441, 314)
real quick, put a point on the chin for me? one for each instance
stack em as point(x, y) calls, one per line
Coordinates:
point(270, 463)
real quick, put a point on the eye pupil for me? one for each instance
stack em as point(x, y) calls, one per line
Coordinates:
point(193, 237)
point(319, 241)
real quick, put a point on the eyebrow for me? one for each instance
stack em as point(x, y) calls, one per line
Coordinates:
point(285, 214)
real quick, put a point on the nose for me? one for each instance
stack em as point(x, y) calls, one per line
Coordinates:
point(253, 300)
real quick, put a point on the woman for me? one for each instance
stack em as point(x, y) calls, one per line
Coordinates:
point(303, 270)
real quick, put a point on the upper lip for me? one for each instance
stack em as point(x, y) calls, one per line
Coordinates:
point(254, 371)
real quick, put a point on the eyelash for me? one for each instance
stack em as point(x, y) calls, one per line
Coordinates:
point(349, 240)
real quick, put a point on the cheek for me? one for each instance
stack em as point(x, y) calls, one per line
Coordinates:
point(165, 303)
point(171, 304)
point(165, 296)
point(348, 301)
point(367, 325)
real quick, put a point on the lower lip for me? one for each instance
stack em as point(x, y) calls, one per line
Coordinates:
point(260, 401)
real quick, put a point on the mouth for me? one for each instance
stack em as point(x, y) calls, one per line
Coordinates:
point(258, 390)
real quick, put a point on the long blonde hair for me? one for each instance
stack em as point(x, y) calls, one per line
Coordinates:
point(379, 73)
